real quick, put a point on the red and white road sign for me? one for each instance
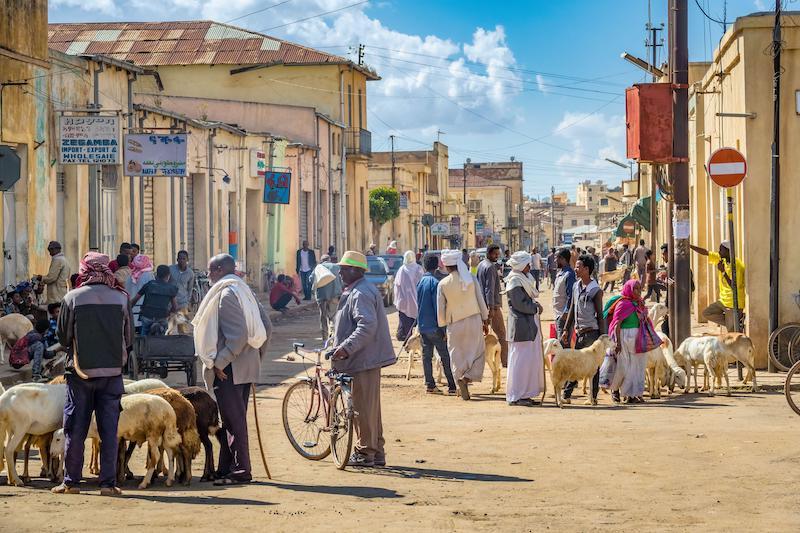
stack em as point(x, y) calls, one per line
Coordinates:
point(727, 167)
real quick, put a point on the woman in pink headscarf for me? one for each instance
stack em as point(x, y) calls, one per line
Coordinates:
point(632, 330)
point(141, 274)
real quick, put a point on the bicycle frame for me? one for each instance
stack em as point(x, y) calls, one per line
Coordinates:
point(321, 390)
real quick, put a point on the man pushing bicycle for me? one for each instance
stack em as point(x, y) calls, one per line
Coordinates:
point(363, 345)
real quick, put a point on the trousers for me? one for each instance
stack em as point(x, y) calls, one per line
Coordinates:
point(438, 340)
point(367, 403)
point(305, 280)
point(327, 312)
point(282, 302)
point(583, 340)
point(721, 315)
point(100, 396)
point(499, 328)
point(234, 453)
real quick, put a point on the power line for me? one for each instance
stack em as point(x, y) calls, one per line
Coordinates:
point(709, 17)
point(314, 16)
point(257, 11)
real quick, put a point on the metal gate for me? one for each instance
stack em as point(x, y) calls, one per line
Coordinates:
point(304, 215)
point(189, 200)
point(148, 239)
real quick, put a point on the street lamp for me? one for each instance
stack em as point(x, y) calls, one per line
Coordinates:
point(621, 164)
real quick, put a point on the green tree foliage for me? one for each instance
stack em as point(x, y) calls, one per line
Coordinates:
point(384, 205)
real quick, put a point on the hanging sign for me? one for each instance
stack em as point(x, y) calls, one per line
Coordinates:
point(277, 186)
point(150, 154)
point(727, 167)
point(89, 140)
point(258, 163)
point(440, 228)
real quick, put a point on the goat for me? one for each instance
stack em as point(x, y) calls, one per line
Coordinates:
point(207, 422)
point(12, 328)
point(492, 356)
point(413, 347)
point(186, 420)
point(28, 409)
point(708, 351)
point(571, 364)
point(178, 324)
point(614, 275)
point(151, 419)
point(144, 385)
point(57, 450)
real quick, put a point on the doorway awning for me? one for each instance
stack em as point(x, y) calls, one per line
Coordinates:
point(639, 214)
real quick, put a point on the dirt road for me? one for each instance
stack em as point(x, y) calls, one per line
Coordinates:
point(686, 462)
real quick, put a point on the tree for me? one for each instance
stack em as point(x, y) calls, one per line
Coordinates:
point(384, 205)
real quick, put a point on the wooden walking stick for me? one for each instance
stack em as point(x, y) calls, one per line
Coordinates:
point(258, 431)
point(541, 343)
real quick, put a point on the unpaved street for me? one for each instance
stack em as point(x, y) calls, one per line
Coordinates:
point(686, 462)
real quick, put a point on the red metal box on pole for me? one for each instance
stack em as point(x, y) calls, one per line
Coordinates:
point(648, 112)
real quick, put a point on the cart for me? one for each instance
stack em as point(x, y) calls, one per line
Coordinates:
point(159, 355)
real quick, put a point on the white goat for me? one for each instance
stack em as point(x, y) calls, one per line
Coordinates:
point(12, 328)
point(575, 364)
point(151, 419)
point(28, 409)
point(708, 351)
point(57, 450)
point(144, 385)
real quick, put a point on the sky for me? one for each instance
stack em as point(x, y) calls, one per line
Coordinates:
point(538, 80)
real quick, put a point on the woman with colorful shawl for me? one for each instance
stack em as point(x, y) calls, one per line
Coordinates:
point(141, 274)
point(633, 332)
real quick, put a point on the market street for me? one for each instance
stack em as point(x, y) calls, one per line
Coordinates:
point(670, 464)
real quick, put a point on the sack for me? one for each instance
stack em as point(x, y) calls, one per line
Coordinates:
point(19, 353)
point(607, 370)
point(322, 276)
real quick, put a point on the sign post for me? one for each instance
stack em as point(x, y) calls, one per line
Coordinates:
point(727, 168)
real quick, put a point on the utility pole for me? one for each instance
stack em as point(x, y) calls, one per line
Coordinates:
point(775, 215)
point(654, 44)
point(394, 181)
point(679, 74)
point(360, 55)
point(553, 216)
point(467, 162)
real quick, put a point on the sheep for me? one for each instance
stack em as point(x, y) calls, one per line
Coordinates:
point(28, 409)
point(207, 422)
point(151, 419)
point(57, 451)
point(708, 351)
point(145, 385)
point(12, 328)
point(575, 364)
point(187, 428)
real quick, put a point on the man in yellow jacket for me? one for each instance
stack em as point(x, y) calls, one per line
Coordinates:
point(721, 311)
point(58, 275)
point(462, 310)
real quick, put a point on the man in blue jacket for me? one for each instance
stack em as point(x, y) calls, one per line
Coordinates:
point(432, 335)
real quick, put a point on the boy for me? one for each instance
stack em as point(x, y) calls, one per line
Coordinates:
point(36, 348)
point(53, 311)
point(159, 299)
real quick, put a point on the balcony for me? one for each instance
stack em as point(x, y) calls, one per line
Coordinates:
point(358, 142)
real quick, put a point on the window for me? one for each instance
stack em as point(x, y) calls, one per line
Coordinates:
point(574, 222)
point(604, 202)
point(474, 206)
point(591, 199)
point(586, 222)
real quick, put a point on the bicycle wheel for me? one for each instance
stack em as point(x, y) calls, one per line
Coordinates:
point(779, 343)
point(341, 427)
point(304, 420)
point(791, 387)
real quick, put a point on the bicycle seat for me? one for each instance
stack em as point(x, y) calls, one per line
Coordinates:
point(298, 344)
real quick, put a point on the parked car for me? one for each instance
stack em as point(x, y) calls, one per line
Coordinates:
point(379, 275)
point(394, 262)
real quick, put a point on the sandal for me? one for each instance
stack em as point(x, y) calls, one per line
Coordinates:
point(65, 489)
point(434, 390)
point(110, 491)
point(226, 481)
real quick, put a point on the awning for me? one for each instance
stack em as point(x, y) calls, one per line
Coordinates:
point(639, 214)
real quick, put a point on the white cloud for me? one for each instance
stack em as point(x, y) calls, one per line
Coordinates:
point(109, 7)
point(593, 138)
point(760, 5)
point(541, 84)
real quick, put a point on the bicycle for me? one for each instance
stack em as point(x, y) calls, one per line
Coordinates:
point(784, 343)
point(199, 289)
point(312, 407)
point(792, 390)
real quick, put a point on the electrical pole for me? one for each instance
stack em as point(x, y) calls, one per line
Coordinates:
point(553, 216)
point(360, 55)
point(679, 74)
point(775, 215)
point(654, 45)
point(394, 181)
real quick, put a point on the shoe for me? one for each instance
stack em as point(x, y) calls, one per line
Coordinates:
point(434, 390)
point(463, 389)
point(380, 460)
point(522, 403)
point(452, 392)
point(230, 480)
point(590, 401)
point(110, 491)
point(65, 489)
point(566, 401)
point(359, 459)
point(615, 397)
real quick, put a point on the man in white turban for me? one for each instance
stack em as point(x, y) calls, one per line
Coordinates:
point(525, 364)
point(462, 310)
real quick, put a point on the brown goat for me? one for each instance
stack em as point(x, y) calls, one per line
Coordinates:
point(187, 429)
point(207, 424)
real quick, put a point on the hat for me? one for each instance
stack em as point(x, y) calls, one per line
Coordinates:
point(726, 245)
point(664, 246)
point(354, 259)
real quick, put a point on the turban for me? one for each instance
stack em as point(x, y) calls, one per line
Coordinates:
point(94, 270)
point(409, 257)
point(453, 258)
point(519, 260)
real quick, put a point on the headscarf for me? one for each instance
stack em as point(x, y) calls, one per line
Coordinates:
point(94, 271)
point(516, 278)
point(409, 257)
point(139, 265)
point(625, 305)
point(392, 245)
point(405, 285)
point(453, 258)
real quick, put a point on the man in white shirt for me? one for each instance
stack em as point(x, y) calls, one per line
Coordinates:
point(536, 266)
point(305, 263)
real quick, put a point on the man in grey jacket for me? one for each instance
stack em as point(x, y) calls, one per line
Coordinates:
point(489, 281)
point(363, 345)
point(237, 366)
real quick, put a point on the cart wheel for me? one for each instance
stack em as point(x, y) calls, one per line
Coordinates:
point(191, 379)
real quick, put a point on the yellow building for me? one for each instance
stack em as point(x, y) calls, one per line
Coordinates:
point(206, 59)
point(420, 176)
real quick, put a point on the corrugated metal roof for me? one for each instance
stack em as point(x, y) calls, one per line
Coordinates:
point(184, 43)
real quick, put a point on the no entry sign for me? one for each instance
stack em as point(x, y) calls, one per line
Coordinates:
point(727, 167)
